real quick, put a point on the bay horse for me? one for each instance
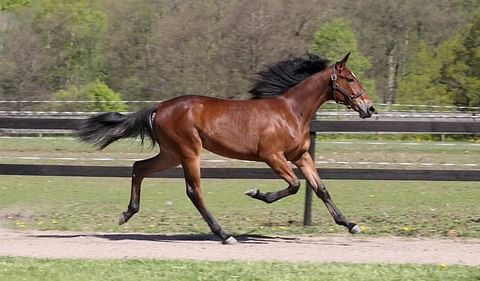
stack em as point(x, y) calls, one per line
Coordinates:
point(273, 127)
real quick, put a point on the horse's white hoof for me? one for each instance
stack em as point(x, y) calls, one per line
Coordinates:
point(122, 219)
point(252, 192)
point(356, 229)
point(230, 241)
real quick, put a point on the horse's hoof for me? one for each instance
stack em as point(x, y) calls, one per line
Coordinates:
point(122, 219)
point(355, 229)
point(230, 241)
point(252, 192)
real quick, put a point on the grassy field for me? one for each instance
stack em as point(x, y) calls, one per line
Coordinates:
point(432, 209)
point(19, 269)
point(380, 207)
point(426, 209)
point(337, 153)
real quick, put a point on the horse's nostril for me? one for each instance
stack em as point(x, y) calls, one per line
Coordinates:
point(372, 109)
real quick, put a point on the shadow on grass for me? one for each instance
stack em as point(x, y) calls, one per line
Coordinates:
point(174, 238)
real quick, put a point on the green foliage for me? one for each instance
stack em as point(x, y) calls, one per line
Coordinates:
point(128, 55)
point(158, 49)
point(448, 74)
point(334, 40)
point(418, 86)
point(73, 33)
point(99, 96)
point(464, 74)
point(9, 5)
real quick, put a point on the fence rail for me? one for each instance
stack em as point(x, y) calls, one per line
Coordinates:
point(323, 126)
point(241, 173)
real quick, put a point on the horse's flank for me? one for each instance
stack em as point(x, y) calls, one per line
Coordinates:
point(242, 129)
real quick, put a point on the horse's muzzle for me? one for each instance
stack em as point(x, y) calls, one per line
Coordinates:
point(366, 110)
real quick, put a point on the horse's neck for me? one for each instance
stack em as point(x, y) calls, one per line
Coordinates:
point(309, 95)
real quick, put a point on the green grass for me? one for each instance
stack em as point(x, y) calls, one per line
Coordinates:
point(431, 209)
point(18, 269)
point(394, 152)
point(380, 207)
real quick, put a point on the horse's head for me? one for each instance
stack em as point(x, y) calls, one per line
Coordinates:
point(347, 89)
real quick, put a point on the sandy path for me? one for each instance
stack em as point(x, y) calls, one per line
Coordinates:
point(258, 248)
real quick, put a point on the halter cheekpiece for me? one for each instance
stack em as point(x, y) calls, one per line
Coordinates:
point(336, 88)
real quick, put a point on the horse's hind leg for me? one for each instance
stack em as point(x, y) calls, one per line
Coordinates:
point(307, 166)
point(279, 165)
point(142, 169)
point(191, 167)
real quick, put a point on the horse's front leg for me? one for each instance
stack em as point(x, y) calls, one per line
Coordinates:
point(279, 165)
point(307, 166)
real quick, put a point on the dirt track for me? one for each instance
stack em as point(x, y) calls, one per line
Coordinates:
point(205, 247)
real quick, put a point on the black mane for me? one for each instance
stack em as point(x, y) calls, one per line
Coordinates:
point(277, 78)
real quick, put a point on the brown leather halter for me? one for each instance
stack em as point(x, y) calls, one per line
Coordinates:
point(349, 97)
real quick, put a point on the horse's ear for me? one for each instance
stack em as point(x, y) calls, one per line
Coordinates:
point(341, 64)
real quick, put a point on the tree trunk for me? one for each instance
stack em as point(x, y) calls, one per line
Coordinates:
point(392, 71)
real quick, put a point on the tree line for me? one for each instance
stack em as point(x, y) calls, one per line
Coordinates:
point(412, 51)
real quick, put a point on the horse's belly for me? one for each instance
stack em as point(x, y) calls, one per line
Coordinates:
point(238, 148)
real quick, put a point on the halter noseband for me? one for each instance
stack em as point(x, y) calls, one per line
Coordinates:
point(336, 88)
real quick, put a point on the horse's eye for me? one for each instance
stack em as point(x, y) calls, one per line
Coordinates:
point(350, 80)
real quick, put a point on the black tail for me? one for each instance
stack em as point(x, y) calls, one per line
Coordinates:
point(105, 128)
